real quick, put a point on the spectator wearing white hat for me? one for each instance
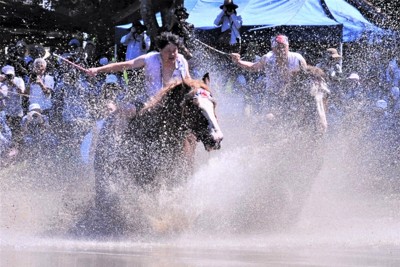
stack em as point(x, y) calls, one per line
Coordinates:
point(379, 117)
point(112, 103)
point(5, 134)
point(35, 128)
point(352, 86)
point(11, 89)
point(41, 86)
point(354, 95)
point(330, 64)
point(35, 117)
point(394, 102)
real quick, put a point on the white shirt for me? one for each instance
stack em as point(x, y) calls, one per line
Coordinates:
point(13, 101)
point(137, 44)
point(232, 22)
point(294, 60)
point(153, 73)
point(274, 79)
point(37, 95)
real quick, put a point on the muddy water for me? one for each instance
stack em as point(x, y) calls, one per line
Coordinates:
point(221, 217)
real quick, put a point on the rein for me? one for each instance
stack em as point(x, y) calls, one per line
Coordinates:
point(212, 48)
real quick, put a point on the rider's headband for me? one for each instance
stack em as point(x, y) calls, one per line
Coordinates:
point(279, 39)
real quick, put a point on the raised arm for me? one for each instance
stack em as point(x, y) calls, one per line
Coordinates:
point(247, 65)
point(218, 20)
point(135, 63)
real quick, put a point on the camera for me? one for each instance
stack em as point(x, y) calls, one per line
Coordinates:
point(140, 29)
point(33, 77)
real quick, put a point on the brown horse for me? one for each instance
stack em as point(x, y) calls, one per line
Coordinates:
point(154, 150)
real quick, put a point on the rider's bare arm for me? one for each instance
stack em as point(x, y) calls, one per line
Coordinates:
point(247, 65)
point(135, 63)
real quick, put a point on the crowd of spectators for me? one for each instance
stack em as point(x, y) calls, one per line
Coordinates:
point(45, 102)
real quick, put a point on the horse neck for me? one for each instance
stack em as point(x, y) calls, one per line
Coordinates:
point(166, 116)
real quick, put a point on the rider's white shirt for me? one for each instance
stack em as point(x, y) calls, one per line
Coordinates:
point(273, 77)
point(294, 60)
point(153, 72)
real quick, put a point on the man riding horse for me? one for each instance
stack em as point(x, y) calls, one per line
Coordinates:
point(160, 69)
point(294, 124)
point(171, 115)
point(281, 67)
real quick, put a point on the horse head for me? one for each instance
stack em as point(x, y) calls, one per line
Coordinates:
point(310, 84)
point(199, 112)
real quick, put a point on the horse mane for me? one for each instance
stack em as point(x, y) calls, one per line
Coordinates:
point(316, 73)
point(313, 72)
point(157, 99)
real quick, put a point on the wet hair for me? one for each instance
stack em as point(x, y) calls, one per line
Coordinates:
point(166, 38)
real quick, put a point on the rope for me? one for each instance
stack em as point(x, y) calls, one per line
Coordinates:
point(212, 48)
point(71, 63)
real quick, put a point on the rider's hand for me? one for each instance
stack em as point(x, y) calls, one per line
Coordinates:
point(92, 72)
point(235, 57)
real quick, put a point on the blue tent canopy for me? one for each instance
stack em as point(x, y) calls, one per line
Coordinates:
point(302, 20)
point(311, 14)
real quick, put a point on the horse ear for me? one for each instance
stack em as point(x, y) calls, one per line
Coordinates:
point(206, 78)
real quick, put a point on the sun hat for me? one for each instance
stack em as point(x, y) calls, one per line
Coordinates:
point(8, 70)
point(35, 107)
point(353, 76)
point(333, 53)
point(381, 104)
